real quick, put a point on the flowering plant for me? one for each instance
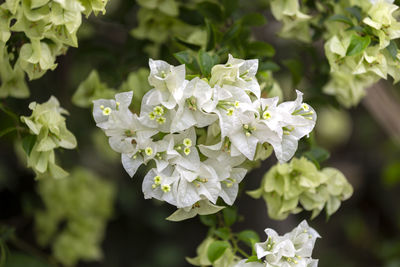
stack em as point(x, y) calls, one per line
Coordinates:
point(195, 101)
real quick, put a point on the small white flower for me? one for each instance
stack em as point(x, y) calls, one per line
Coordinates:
point(187, 142)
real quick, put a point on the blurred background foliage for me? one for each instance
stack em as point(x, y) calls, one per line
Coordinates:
point(112, 57)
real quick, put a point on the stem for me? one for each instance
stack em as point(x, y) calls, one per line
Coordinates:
point(23, 246)
point(237, 248)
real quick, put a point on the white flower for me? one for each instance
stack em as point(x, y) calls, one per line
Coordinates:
point(237, 72)
point(196, 185)
point(159, 185)
point(151, 115)
point(230, 185)
point(250, 132)
point(180, 154)
point(298, 120)
point(165, 77)
point(119, 123)
point(225, 119)
point(228, 102)
point(292, 249)
point(190, 111)
point(221, 153)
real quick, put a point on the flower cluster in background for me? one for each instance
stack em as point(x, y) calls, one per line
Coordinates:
point(158, 21)
point(198, 132)
point(359, 41)
point(285, 186)
point(295, 24)
point(48, 131)
point(75, 230)
point(364, 55)
point(33, 34)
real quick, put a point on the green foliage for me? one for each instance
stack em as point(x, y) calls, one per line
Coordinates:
point(392, 48)
point(6, 233)
point(249, 237)
point(230, 215)
point(296, 69)
point(220, 25)
point(91, 89)
point(317, 155)
point(209, 220)
point(357, 44)
point(17, 259)
point(341, 18)
point(391, 174)
point(87, 205)
point(285, 186)
point(216, 250)
point(136, 82)
point(215, 253)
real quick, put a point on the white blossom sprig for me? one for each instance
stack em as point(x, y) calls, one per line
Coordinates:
point(192, 168)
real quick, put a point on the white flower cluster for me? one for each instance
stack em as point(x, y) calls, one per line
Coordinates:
point(293, 249)
point(198, 132)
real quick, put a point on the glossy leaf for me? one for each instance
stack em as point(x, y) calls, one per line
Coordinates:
point(261, 49)
point(341, 18)
point(216, 250)
point(230, 215)
point(357, 44)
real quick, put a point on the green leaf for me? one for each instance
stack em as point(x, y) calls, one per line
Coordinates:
point(230, 6)
point(223, 233)
point(357, 44)
point(209, 220)
point(17, 259)
point(216, 250)
point(191, 46)
point(210, 10)
point(9, 112)
point(355, 11)
point(317, 155)
point(206, 63)
point(391, 174)
point(268, 65)
point(261, 49)
point(249, 237)
point(341, 18)
point(392, 48)
point(210, 36)
point(253, 258)
point(296, 69)
point(184, 57)
point(7, 130)
point(357, 28)
point(187, 58)
point(28, 142)
point(230, 215)
point(3, 254)
point(253, 19)
point(232, 32)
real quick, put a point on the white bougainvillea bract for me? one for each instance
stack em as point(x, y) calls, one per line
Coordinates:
point(199, 132)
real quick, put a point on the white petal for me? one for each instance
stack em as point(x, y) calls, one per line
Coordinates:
point(131, 165)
